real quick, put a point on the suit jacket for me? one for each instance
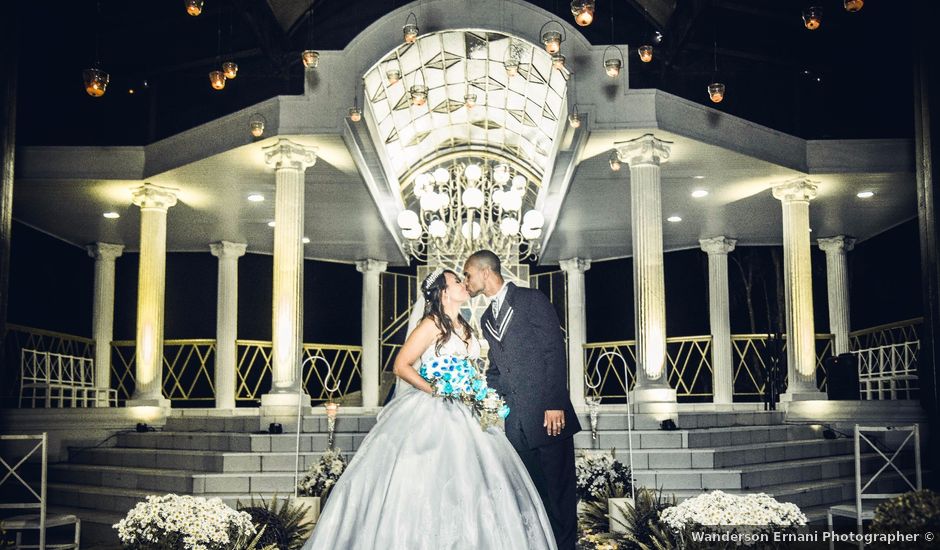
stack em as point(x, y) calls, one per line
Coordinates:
point(528, 365)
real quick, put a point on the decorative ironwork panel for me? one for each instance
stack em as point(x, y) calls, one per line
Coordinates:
point(759, 357)
point(689, 368)
point(610, 370)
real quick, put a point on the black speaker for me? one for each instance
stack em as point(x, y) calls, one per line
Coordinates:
point(842, 377)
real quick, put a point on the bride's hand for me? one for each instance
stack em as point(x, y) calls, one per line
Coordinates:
point(419, 340)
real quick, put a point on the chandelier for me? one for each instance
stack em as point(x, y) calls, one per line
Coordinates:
point(469, 205)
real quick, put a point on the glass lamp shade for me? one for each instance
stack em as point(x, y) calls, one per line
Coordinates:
point(419, 95)
point(612, 66)
point(429, 201)
point(355, 114)
point(645, 53)
point(437, 229)
point(853, 6)
point(473, 197)
point(533, 219)
point(501, 173)
point(518, 181)
point(583, 12)
point(408, 219)
point(256, 125)
point(230, 69)
point(558, 61)
point(511, 201)
point(194, 7)
point(470, 230)
point(716, 92)
point(531, 233)
point(96, 82)
point(412, 233)
point(614, 161)
point(441, 175)
point(812, 18)
point(509, 226)
point(473, 172)
point(552, 41)
point(574, 119)
point(393, 75)
point(217, 80)
point(311, 59)
point(410, 33)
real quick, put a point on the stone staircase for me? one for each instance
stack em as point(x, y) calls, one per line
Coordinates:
point(233, 459)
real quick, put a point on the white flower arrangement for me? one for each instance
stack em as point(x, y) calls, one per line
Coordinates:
point(742, 513)
point(183, 522)
point(322, 476)
point(601, 476)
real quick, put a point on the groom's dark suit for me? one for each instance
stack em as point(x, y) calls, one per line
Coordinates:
point(527, 366)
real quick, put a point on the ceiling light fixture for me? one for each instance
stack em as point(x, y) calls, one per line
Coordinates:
point(410, 30)
point(256, 125)
point(614, 161)
point(645, 52)
point(699, 193)
point(310, 58)
point(865, 194)
point(306, 240)
point(574, 119)
point(270, 224)
point(96, 80)
point(812, 17)
point(716, 90)
point(111, 215)
point(853, 6)
point(551, 38)
point(216, 80)
point(674, 219)
point(583, 12)
point(612, 65)
point(194, 7)
point(230, 69)
point(256, 197)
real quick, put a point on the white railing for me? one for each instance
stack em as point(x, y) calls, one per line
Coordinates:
point(59, 380)
point(889, 371)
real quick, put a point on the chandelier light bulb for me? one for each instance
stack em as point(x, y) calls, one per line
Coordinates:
point(408, 219)
point(501, 173)
point(471, 230)
point(558, 61)
point(429, 202)
point(531, 233)
point(393, 76)
point(470, 100)
point(533, 219)
point(473, 197)
point(574, 119)
point(412, 233)
point(410, 30)
point(512, 67)
point(473, 172)
point(437, 229)
point(311, 59)
point(511, 201)
point(509, 226)
point(441, 175)
point(419, 95)
point(256, 125)
point(518, 181)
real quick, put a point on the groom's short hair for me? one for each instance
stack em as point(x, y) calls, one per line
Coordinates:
point(486, 258)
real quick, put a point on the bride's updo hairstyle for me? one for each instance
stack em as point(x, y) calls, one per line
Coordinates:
point(432, 287)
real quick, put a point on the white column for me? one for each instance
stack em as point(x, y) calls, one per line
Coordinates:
point(371, 274)
point(154, 201)
point(837, 286)
point(290, 161)
point(719, 317)
point(798, 290)
point(652, 393)
point(226, 321)
point(103, 311)
point(577, 326)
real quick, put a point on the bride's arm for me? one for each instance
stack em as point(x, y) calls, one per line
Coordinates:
point(417, 342)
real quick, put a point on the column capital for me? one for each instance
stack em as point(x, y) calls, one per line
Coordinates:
point(644, 150)
point(799, 189)
point(370, 265)
point(287, 154)
point(575, 264)
point(105, 251)
point(226, 249)
point(154, 197)
point(839, 243)
point(717, 245)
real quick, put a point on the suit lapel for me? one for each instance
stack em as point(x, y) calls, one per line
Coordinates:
point(496, 327)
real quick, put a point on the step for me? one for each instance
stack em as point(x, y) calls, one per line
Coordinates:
point(254, 424)
point(699, 438)
point(121, 500)
point(197, 461)
point(687, 420)
point(738, 455)
point(235, 442)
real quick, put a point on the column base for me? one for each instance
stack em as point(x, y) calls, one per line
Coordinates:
point(284, 403)
point(148, 401)
point(658, 402)
point(802, 395)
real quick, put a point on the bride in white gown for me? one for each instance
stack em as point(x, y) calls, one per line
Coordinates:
point(427, 476)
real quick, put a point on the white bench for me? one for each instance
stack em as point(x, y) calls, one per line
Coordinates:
point(61, 381)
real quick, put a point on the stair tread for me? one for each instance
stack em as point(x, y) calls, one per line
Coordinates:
point(168, 471)
point(747, 468)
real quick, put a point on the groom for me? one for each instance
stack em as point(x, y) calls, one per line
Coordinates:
point(527, 366)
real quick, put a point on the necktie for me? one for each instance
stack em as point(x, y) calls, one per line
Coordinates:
point(495, 307)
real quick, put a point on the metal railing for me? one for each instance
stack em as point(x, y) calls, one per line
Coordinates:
point(883, 335)
point(757, 357)
point(888, 372)
point(19, 337)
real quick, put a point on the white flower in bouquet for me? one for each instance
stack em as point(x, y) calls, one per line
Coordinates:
point(322, 476)
point(753, 512)
point(184, 522)
point(600, 476)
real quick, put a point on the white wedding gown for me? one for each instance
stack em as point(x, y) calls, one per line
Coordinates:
point(428, 477)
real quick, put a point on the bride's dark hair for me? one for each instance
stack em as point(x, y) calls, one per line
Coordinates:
point(432, 287)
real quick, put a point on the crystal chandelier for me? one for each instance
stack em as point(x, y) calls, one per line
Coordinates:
point(468, 205)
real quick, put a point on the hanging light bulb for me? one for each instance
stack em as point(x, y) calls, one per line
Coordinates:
point(393, 76)
point(473, 172)
point(441, 175)
point(408, 219)
point(256, 125)
point(512, 67)
point(96, 82)
point(230, 69)
point(558, 61)
point(614, 161)
point(501, 173)
point(716, 92)
point(518, 181)
point(419, 94)
point(509, 226)
point(311, 59)
point(355, 114)
point(194, 7)
point(812, 17)
point(552, 41)
point(583, 12)
point(473, 197)
point(853, 6)
point(469, 100)
point(437, 229)
point(410, 30)
point(645, 53)
point(612, 67)
point(217, 80)
point(574, 119)
point(471, 230)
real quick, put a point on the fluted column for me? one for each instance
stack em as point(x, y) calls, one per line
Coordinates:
point(577, 326)
point(103, 311)
point(719, 317)
point(371, 277)
point(645, 155)
point(154, 201)
point(290, 160)
point(226, 321)
point(837, 286)
point(798, 290)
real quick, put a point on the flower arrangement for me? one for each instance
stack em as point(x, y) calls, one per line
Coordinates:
point(722, 512)
point(457, 378)
point(600, 477)
point(182, 522)
point(322, 476)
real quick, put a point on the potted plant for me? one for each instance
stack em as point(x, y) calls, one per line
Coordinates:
point(603, 478)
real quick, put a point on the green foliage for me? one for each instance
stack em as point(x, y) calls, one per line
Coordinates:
point(644, 531)
point(912, 512)
point(283, 523)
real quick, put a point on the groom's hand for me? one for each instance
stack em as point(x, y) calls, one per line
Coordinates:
point(554, 422)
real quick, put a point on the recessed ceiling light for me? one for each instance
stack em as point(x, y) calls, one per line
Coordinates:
point(698, 177)
point(256, 197)
point(674, 219)
point(112, 215)
point(270, 224)
point(865, 194)
point(810, 229)
point(699, 193)
point(306, 240)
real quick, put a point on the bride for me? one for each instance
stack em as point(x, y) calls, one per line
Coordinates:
point(427, 476)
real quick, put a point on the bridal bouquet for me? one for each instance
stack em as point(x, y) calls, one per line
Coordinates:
point(457, 378)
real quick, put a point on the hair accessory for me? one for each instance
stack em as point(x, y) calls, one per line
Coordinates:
point(432, 277)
